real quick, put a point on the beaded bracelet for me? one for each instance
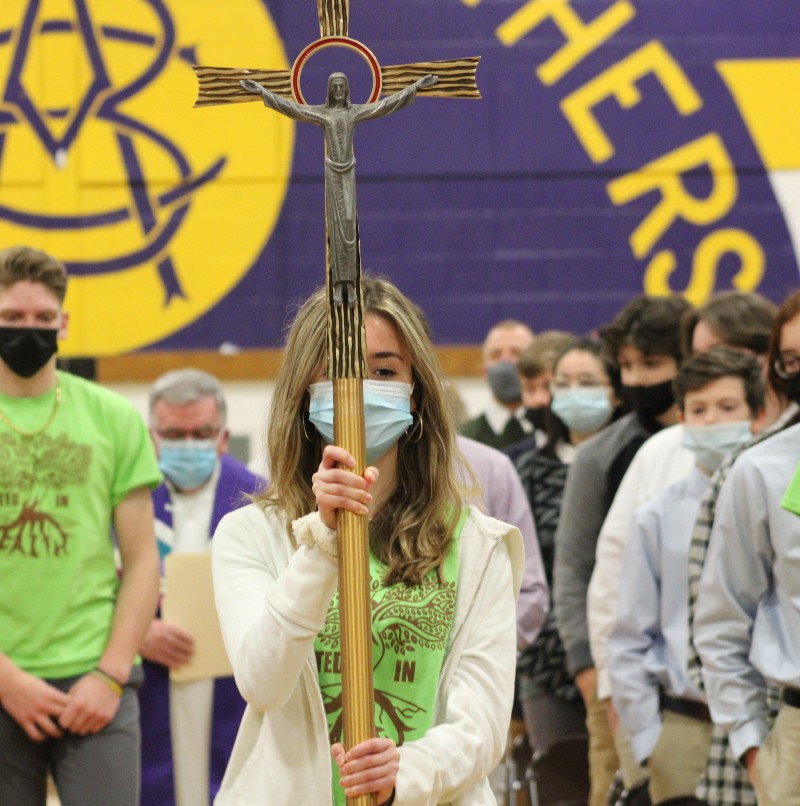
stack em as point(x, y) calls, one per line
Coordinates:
point(110, 681)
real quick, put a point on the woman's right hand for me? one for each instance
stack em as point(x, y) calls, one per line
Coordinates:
point(338, 487)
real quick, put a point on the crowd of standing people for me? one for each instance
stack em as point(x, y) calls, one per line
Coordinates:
point(668, 546)
point(617, 562)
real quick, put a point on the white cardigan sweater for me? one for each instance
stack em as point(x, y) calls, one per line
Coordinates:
point(272, 601)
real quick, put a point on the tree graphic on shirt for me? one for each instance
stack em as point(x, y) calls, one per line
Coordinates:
point(412, 617)
point(38, 469)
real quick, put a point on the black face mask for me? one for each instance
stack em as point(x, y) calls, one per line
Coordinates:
point(27, 349)
point(650, 401)
point(537, 417)
point(791, 387)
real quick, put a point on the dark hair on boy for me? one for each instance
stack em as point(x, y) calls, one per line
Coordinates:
point(540, 355)
point(649, 324)
point(704, 368)
point(18, 263)
point(738, 318)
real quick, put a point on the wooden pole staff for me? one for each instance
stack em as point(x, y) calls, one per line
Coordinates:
point(347, 369)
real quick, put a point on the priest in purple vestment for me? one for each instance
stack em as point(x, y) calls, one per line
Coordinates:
point(188, 728)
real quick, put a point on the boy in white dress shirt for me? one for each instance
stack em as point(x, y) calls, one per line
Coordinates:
point(719, 394)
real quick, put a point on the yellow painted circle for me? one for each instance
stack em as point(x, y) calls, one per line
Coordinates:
point(204, 235)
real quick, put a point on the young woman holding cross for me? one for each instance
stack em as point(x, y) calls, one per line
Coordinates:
point(444, 578)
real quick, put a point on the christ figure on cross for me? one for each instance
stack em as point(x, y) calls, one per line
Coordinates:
point(338, 118)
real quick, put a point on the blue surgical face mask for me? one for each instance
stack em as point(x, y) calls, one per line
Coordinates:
point(712, 443)
point(187, 463)
point(387, 413)
point(583, 410)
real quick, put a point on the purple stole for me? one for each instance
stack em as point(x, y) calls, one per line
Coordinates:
point(158, 788)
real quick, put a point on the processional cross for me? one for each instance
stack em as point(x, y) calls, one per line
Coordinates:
point(346, 354)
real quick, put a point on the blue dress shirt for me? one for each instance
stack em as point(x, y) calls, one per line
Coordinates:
point(747, 623)
point(648, 646)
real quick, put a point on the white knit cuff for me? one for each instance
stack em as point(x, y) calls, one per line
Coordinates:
point(311, 531)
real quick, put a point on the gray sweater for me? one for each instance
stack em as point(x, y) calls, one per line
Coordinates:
point(598, 468)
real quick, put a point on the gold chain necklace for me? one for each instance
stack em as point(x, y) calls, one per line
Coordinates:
point(40, 430)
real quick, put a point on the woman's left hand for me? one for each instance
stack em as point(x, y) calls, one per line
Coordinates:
point(371, 766)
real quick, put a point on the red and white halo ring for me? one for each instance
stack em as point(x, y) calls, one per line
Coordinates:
point(341, 42)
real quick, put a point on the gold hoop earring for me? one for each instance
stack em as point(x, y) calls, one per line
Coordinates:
point(303, 418)
point(421, 425)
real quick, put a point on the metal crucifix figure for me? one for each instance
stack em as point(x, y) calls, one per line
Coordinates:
point(346, 355)
point(338, 118)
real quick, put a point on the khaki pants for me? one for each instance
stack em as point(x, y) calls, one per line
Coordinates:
point(603, 760)
point(679, 756)
point(777, 770)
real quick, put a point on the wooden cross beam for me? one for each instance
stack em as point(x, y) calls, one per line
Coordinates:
point(220, 85)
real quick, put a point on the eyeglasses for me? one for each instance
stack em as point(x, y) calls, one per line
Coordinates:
point(203, 433)
point(786, 365)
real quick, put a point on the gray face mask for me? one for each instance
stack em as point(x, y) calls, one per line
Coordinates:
point(504, 382)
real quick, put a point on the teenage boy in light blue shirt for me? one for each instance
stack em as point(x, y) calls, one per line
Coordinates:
point(719, 394)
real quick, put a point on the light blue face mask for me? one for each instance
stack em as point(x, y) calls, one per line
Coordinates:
point(583, 410)
point(712, 443)
point(187, 463)
point(387, 413)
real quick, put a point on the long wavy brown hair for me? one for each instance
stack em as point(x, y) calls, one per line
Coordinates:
point(413, 530)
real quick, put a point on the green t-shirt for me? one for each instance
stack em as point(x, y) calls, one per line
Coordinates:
point(58, 491)
point(410, 631)
point(791, 498)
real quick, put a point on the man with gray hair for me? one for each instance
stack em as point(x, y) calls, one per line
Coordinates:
point(188, 728)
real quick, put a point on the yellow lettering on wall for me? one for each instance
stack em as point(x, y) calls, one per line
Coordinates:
point(582, 38)
point(664, 175)
point(704, 266)
point(471, 3)
point(619, 81)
